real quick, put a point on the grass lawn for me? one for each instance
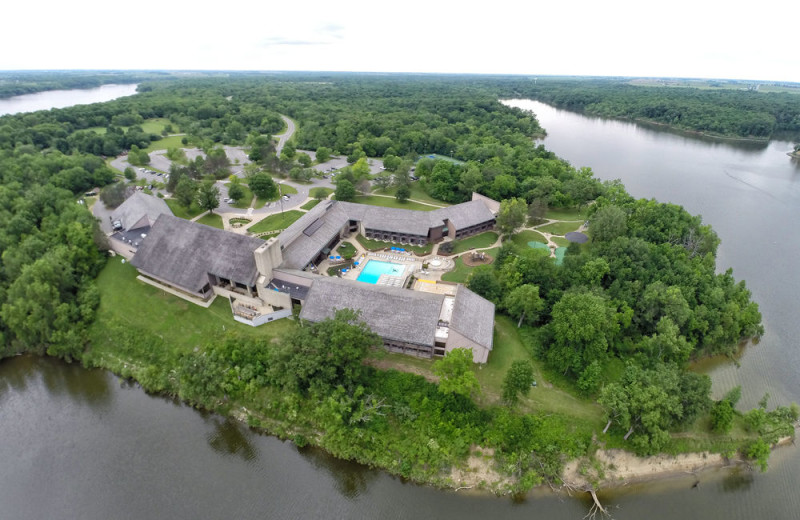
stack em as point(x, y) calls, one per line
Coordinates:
point(567, 213)
point(477, 241)
point(508, 347)
point(523, 237)
point(461, 271)
point(182, 211)
point(276, 221)
point(560, 242)
point(211, 219)
point(346, 250)
point(246, 199)
point(559, 228)
point(313, 191)
point(173, 141)
point(176, 323)
point(391, 202)
point(374, 245)
point(310, 204)
point(156, 126)
point(417, 193)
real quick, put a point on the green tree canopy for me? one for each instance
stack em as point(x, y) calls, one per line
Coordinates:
point(512, 215)
point(455, 373)
point(208, 196)
point(345, 190)
point(518, 381)
point(262, 185)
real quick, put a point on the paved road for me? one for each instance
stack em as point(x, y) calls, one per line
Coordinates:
point(282, 138)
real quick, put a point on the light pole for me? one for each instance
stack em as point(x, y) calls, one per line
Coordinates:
point(280, 195)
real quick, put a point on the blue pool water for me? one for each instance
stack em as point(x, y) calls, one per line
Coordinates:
point(373, 270)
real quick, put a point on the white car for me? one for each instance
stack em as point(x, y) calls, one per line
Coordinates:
point(285, 197)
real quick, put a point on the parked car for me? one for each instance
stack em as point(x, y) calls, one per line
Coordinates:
point(285, 197)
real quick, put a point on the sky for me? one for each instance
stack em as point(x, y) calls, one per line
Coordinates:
point(681, 38)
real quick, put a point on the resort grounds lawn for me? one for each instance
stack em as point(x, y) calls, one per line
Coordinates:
point(508, 347)
point(211, 219)
point(559, 228)
point(174, 324)
point(523, 237)
point(310, 204)
point(560, 242)
point(567, 213)
point(182, 211)
point(391, 202)
point(156, 126)
point(346, 250)
point(461, 271)
point(375, 245)
point(246, 200)
point(475, 242)
point(313, 192)
point(173, 141)
point(417, 193)
point(276, 222)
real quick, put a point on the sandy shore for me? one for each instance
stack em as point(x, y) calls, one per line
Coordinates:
point(621, 467)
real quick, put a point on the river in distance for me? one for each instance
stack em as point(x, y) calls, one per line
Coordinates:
point(80, 443)
point(64, 98)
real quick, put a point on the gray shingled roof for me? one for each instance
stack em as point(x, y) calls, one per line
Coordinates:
point(183, 253)
point(391, 312)
point(324, 221)
point(140, 210)
point(299, 249)
point(473, 317)
point(466, 214)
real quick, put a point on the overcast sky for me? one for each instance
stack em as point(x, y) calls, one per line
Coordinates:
point(680, 38)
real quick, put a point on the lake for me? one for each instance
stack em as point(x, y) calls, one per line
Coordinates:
point(81, 443)
point(64, 98)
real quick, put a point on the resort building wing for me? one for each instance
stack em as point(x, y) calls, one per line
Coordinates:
point(192, 257)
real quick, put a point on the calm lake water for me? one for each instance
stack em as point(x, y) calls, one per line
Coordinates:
point(79, 443)
point(64, 98)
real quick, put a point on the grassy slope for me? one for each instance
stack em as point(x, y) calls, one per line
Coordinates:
point(310, 204)
point(417, 193)
point(182, 211)
point(389, 202)
point(477, 241)
point(212, 220)
point(276, 221)
point(559, 228)
point(523, 237)
point(180, 324)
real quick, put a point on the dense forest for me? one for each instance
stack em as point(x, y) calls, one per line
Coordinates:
point(616, 324)
point(725, 112)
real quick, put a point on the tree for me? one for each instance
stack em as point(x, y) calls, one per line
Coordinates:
point(114, 194)
point(236, 191)
point(403, 193)
point(722, 416)
point(185, 191)
point(608, 223)
point(382, 181)
point(391, 162)
point(345, 190)
point(537, 209)
point(455, 373)
point(323, 154)
point(518, 381)
point(130, 174)
point(263, 186)
point(512, 215)
point(320, 356)
point(583, 325)
point(483, 281)
point(524, 302)
point(318, 193)
point(304, 159)
point(208, 196)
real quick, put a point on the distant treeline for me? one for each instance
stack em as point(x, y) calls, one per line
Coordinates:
point(720, 112)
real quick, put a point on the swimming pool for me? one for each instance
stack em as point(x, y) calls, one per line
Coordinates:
point(373, 270)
